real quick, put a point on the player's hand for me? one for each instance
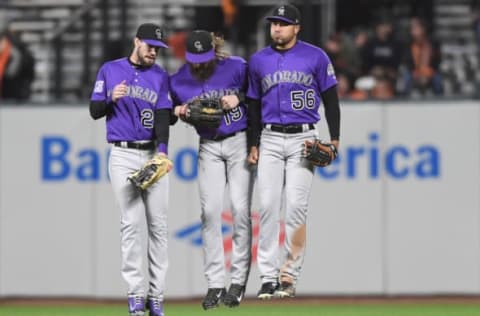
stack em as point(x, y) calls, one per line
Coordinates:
point(253, 155)
point(180, 111)
point(229, 101)
point(162, 154)
point(335, 143)
point(119, 91)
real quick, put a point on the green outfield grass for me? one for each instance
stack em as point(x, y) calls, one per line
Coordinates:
point(307, 309)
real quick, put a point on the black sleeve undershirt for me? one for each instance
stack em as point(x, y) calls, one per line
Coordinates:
point(254, 122)
point(99, 109)
point(162, 126)
point(173, 118)
point(332, 111)
point(241, 96)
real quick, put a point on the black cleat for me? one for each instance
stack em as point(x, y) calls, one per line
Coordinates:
point(285, 289)
point(234, 296)
point(213, 298)
point(267, 290)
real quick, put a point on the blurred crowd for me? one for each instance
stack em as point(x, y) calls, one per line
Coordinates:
point(17, 67)
point(377, 64)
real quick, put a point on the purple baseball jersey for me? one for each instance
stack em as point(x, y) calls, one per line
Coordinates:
point(133, 115)
point(229, 77)
point(289, 83)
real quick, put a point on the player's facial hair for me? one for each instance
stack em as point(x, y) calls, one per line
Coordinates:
point(282, 42)
point(203, 71)
point(139, 54)
point(142, 60)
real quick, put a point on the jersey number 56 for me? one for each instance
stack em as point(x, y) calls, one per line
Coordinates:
point(302, 99)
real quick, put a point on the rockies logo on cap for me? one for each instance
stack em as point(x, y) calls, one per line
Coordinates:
point(286, 13)
point(198, 46)
point(151, 34)
point(158, 33)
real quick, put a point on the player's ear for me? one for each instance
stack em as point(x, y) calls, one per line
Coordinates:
point(297, 29)
point(136, 41)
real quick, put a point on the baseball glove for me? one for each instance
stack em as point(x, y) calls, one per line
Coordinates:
point(320, 153)
point(204, 113)
point(153, 170)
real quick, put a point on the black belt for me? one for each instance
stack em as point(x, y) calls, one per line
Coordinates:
point(133, 145)
point(290, 129)
point(222, 137)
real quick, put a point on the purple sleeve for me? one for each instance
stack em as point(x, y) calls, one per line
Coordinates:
point(326, 73)
point(173, 95)
point(163, 148)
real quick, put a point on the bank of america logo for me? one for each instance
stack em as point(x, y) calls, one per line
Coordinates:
point(192, 234)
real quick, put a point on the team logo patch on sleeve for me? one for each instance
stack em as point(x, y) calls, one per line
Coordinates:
point(98, 86)
point(330, 70)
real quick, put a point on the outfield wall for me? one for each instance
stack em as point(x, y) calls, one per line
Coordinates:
point(398, 212)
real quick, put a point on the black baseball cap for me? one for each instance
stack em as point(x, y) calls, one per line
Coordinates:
point(151, 34)
point(199, 46)
point(286, 13)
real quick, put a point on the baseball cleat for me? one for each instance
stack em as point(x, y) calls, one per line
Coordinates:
point(155, 305)
point(267, 290)
point(213, 298)
point(136, 305)
point(285, 289)
point(234, 296)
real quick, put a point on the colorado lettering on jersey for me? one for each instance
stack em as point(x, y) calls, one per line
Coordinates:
point(141, 93)
point(286, 76)
point(216, 94)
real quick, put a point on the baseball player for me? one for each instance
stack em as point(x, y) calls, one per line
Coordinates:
point(209, 73)
point(133, 94)
point(287, 83)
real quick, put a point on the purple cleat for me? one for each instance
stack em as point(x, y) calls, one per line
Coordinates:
point(155, 305)
point(136, 305)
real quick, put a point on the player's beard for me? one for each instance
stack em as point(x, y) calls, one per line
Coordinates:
point(144, 60)
point(203, 71)
point(283, 42)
